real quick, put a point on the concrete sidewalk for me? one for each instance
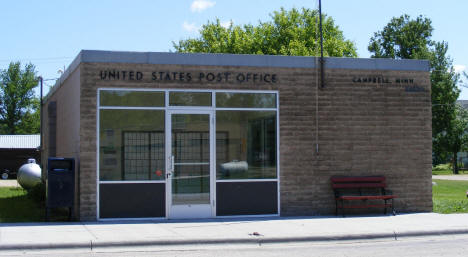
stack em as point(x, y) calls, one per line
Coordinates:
point(94, 235)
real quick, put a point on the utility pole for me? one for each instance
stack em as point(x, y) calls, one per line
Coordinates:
point(41, 80)
point(322, 61)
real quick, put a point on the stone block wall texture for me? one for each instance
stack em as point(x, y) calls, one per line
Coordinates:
point(61, 121)
point(358, 129)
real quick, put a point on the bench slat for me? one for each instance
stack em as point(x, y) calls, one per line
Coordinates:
point(347, 187)
point(359, 185)
point(347, 179)
point(366, 197)
point(366, 206)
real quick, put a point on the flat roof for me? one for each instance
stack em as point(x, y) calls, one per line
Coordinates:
point(247, 60)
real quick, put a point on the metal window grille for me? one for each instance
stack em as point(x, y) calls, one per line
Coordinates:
point(143, 155)
point(144, 151)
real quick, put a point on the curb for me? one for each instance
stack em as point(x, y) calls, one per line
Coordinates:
point(259, 240)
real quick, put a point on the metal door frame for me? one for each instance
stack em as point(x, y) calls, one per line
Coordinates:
point(211, 114)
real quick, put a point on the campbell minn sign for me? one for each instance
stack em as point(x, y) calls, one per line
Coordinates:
point(178, 76)
point(407, 83)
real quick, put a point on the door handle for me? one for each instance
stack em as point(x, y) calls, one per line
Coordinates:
point(171, 167)
point(172, 163)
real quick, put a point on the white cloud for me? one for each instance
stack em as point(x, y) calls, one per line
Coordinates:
point(201, 5)
point(190, 27)
point(459, 68)
point(225, 24)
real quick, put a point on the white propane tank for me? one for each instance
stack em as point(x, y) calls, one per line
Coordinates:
point(29, 175)
point(234, 167)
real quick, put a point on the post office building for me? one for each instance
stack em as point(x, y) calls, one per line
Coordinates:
point(172, 135)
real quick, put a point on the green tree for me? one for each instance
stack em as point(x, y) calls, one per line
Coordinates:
point(293, 32)
point(403, 38)
point(444, 92)
point(406, 38)
point(455, 137)
point(19, 109)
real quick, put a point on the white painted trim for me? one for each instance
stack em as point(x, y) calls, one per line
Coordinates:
point(205, 108)
point(213, 99)
point(247, 216)
point(168, 156)
point(278, 148)
point(133, 182)
point(97, 154)
point(133, 219)
point(246, 109)
point(189, 109)
point(192, 163)
point(221, 90)
point(177, 211)
point(186, 90)
point(130, 108)
point(131, 89)
point(245, 180)
point(245, 91)
point(213, 162)
point(166, 98)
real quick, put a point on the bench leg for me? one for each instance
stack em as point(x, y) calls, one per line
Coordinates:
point(385, 208)
point(342, 208)
point(336, 207)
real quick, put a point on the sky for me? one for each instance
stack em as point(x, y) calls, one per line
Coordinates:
point(50, 33)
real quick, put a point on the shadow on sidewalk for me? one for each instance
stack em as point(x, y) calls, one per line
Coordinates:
point(216, 221)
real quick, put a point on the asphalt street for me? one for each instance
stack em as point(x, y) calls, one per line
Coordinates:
point(433, 246)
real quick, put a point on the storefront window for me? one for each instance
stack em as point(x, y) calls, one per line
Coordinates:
point(246, 100)
point(247, 149)
point(132, 145)
point(190, 99)
point(131, 98)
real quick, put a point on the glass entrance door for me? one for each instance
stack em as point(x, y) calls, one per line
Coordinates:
point(189, 176)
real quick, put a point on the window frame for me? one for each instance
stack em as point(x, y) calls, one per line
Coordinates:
point(213, 108)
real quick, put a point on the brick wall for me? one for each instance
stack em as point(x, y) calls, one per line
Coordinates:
point(363, 129)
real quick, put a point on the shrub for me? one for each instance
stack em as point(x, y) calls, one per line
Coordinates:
point(442, 167)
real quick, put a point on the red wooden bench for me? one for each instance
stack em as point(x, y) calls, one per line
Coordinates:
point(360, 192)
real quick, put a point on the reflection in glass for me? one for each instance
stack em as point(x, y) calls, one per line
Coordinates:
point(189, 99)
point(191, 153)
point(131, 98)
point(131, 145)
point(246, 100)
point(246, 144)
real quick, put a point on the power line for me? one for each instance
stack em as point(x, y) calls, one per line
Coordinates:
point(37, 59)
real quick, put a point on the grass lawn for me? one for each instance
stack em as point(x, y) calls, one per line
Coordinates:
point(449, 196)
point(17, 206)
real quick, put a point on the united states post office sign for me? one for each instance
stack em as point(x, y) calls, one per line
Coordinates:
point(180, 76)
